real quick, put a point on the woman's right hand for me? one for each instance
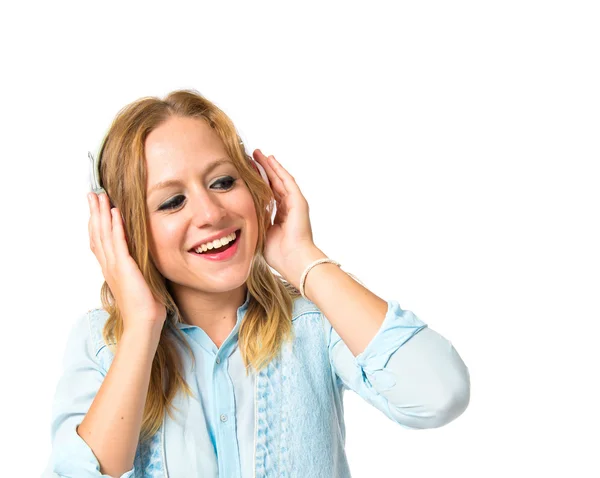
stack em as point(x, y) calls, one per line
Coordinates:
point(141, 312)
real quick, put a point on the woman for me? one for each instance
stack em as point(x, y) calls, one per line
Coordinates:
point(202, 361)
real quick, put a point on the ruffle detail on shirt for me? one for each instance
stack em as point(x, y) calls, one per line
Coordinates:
point(148, 456)
point(397, 328)
point(271, 447)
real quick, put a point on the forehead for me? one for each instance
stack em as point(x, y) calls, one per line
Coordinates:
point(180, 140)
point(181, 148)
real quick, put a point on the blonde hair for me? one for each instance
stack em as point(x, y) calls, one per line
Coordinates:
point(267, 322)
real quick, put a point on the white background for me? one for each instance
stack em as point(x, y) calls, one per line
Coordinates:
point(448, 151)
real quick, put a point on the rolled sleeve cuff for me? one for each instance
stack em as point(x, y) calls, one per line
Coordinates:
point(74, 458)
point(398, 327)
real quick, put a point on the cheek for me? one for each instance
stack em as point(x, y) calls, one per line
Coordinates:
point(250, 209)
point(244, 205)
point(167, 237)
point(166, 233)
point(250, 213)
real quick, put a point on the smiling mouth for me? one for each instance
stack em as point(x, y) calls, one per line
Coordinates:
point(220, 249)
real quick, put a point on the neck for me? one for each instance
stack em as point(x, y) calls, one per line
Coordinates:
point(211, 311)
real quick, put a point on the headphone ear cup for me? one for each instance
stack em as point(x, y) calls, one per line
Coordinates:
point(260, 170)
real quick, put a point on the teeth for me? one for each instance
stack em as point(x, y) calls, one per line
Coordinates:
point(215, 244)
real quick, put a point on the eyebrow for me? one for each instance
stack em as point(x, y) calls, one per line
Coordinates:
point(176, 182)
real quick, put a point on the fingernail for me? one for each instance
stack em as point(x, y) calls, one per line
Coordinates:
point(89, 196)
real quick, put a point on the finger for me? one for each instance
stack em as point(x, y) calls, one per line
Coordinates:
point(287, 185)
point(106, 229)
point(293, 195)
point(119, 239)
point(95, 242)
point(90, 220)
point(287, 181)
point(275, 188)
point(276, 183)
point(90, 232)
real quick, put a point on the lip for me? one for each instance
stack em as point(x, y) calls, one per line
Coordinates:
point(224, 256)
point(218, 235)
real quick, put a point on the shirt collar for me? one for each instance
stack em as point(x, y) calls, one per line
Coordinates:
point(240, 313)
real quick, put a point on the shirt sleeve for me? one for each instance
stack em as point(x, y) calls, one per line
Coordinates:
point(408, 371)
point(80, 381)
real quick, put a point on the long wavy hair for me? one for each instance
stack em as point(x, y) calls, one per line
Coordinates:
point(268, 319)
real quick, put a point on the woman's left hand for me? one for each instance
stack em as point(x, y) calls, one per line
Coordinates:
point(291, 233)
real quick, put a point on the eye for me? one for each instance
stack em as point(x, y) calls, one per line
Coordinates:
point(172, 204)
point(226, 180)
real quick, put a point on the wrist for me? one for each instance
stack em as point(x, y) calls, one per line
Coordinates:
point(144, 340)
point(302, 259)
point(306, 290)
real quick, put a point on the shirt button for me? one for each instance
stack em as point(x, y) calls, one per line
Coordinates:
point(218, 360)
point(223, 418)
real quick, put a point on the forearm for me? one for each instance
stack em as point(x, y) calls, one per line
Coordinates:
point(112, 425)
point(354, 311)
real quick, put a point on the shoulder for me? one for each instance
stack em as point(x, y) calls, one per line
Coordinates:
point(84, 342)
point(92, 324)
point(303, 308)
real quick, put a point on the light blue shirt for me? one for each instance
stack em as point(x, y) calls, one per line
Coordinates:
point(288, 419)
point(223, 429)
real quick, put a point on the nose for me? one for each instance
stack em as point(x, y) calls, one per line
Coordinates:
point(207, 209)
